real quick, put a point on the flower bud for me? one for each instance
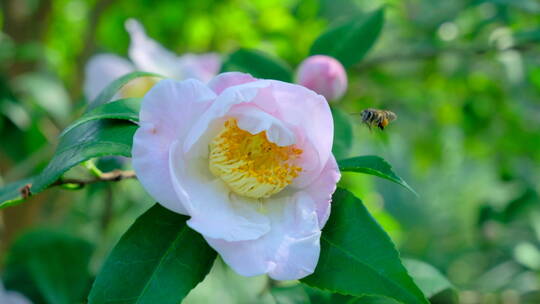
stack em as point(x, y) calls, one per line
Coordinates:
point(324, 75)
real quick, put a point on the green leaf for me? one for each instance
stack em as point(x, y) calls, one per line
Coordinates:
point(86, 138)
point(108, 93)
point(358, 258)
point(317, 295)
point(83, 142)
point(49, 266)
point(10, 194)
point(295, 294)
point(428, 278)
point(303, 294)
point(373, 300)
point(258, 64)
point(374, 165)
point(350, 41)
point(158, 260)
point(127, 109)
point(343, 133)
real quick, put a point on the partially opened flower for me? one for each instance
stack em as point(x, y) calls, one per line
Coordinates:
point(149, 56)
point(324, 75)
point(248, 160)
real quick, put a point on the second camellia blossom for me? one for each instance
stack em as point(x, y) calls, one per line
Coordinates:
point(146, 55)
point(249, 161)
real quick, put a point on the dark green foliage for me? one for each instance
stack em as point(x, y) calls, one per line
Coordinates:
point(90, 140)
point(350, 41)
point(49, 267)
point(374, 165)
point(158, 260)
point(357, 256)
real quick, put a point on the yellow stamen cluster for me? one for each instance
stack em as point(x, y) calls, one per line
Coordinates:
point(251, 165)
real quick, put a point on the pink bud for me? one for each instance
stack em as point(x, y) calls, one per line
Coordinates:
point(324, 75)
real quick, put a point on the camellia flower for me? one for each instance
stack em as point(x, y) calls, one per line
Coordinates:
point(248, 160)
point(149, 56)
point(324, 75)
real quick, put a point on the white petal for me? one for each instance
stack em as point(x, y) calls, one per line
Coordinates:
point(148, 55)
point(309, 111)
point(243, 93)
point(101, 70)
point(254, 121)
point(302, 111)
point(289, 251)
point(323, 187)
point(168, 111)
point(229, 79)
point(214, 210)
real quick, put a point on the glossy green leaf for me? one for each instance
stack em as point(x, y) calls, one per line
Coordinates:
point(158, 260)
point(86, 141)
point(258, 64)
point(10, 194)
point(372, 300)
point(86, 138)
point(358, 258)
point(343, 133)
point(374, 165)
point(108, 93)
point(350, 41)
point(127, 109)
point(49, 267)
point(428, 278)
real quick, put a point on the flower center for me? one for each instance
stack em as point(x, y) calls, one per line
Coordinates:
point(251, 165)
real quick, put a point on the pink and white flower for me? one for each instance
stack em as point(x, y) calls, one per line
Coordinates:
point(147, 55)
point(248, 160)
point(324, 75)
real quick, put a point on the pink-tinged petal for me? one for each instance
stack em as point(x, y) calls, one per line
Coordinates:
point(244, 93)
point(214, 210)
point(229, 79)
point(324, 75)
point(168, 111)
point(203, 67)
point(303, 111)
point(300, 109)
point(289, 251)
point(255, 121)
point(310, 115)
point(101, 70)
point(148, 55)
point(323, 187)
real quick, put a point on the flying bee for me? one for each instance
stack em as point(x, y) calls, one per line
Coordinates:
point(377, 118)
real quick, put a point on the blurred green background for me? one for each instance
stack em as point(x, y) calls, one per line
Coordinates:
point(463, 77)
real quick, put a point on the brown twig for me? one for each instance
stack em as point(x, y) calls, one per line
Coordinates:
point(113, 176)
